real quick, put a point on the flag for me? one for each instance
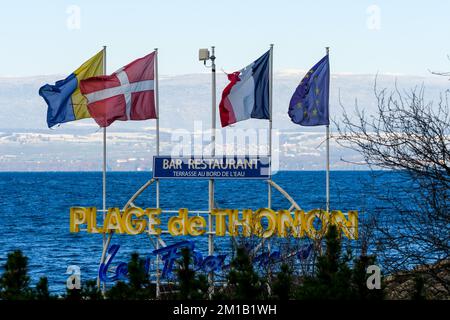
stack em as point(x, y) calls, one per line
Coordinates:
point(64, 99)
point(309, 105)
point(127, 94)
point(247, 94)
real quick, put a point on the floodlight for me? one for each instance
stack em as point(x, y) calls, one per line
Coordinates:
point(203, 55)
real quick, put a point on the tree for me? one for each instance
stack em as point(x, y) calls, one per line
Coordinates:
point(14, 283)
point(41, 291)
point(120, 291)
point(282, 286)
point(138, 286)
point(359, 279)
point(411, 136)
point(90, 291)
point(137, 275)
point(333, 277)
point(243, 282)
point(191, 286)
point(73, 294)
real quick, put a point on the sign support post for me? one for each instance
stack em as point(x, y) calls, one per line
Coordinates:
point(213, 154)
point(103, 174)
point(269, 190)
point(328, 155)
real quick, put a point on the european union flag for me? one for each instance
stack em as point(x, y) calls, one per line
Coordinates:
point(309, 104)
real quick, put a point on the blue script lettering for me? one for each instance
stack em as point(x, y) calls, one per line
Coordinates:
point(172, 253)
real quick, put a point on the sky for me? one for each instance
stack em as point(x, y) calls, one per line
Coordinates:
point(55, 37)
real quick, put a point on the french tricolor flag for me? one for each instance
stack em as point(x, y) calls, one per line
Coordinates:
point(247, 94)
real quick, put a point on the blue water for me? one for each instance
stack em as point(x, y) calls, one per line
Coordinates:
point(34, 210)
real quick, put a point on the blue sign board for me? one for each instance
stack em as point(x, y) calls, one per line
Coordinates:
point(167, 167)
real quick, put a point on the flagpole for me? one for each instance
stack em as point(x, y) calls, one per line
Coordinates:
point(158, 288)
point(328, 152)
point(269, 190)
point(213, 154)
point(104, 166)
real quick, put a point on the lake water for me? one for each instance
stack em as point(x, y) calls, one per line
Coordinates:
point(34, 210)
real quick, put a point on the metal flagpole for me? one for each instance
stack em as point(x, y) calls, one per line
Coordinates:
point(269, 190)
point(158, 289)
point(104, 170)
point(213, 154)
point(328, 151)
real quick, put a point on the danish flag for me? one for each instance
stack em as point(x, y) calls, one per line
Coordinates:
point(127, 94)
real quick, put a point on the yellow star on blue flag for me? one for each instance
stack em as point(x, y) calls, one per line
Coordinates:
point(309, 105)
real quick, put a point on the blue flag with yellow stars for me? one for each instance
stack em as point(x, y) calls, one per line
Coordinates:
point(309, 104)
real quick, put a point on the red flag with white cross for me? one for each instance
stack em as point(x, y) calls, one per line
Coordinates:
point(127, 94)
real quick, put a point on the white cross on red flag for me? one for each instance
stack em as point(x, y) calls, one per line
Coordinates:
point(127, 94)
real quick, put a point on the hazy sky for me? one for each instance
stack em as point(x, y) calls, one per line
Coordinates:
point(46, 37)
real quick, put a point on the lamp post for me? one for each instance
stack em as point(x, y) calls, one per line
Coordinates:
point(205, 55)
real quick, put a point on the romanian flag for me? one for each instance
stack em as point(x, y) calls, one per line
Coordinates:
point(64, 99)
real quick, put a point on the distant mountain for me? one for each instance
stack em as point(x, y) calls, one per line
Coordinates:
point(185, 105)
point(186, 98)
